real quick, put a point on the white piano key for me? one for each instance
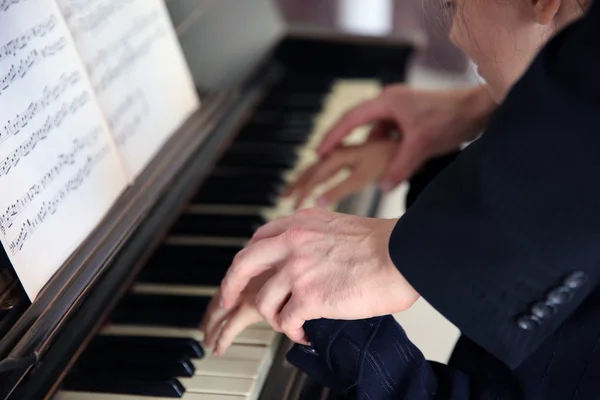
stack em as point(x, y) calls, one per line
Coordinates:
point(244, 353)
point(70, 395)
point(258, 336)
point(218, 385)
point(228, 368)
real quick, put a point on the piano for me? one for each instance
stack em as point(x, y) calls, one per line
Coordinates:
point(120, 319)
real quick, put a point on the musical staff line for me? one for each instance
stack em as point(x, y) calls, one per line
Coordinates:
point(52, 122)
point(49, 208)
point(20, 42)
point(19, 71)
point(49, 95)
point(64, 160)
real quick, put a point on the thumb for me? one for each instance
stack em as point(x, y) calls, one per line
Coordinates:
point(405, 163)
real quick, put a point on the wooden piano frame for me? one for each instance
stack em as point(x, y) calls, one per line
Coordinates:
point(49, 336)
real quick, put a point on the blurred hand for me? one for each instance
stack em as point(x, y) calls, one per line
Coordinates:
point(221, 326)
point(324, 265)
point(430, 123)
point(366, 162)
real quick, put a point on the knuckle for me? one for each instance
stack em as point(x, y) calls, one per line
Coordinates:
point(239, 257)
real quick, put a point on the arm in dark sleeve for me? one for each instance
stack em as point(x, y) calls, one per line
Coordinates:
point(374, 359)
point(505, 242)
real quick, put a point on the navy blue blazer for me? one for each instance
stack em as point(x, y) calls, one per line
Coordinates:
point(512, 237)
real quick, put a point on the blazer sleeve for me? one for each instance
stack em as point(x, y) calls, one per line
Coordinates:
point(374, 359)
point(505, 242)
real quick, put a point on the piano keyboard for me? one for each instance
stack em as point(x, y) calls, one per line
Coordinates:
point(150, 348)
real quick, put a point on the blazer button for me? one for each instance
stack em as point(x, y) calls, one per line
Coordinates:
point(527, 323)
point(558, 296)
point(543, 310)
point(575, 280)
point(309, 350)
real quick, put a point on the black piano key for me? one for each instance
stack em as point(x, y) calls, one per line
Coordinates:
point(170, 388)
point(218, 225)
point(250, 199)
point(256, 173)
point(171, 256)
point(307, 102)
point(278, 121)
point(282, 156)
point(312, 83)
point(135, 364)
point(157, 310)
point(246, 179)
point(241, 185)
point(238, 188)
point(260, 134)
point(183, 347)
point(208, 276)
point(189, 265)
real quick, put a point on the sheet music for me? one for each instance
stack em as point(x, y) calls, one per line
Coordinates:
point(59, 171)
point(137, 69)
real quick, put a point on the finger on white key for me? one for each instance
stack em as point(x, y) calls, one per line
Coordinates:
point(228, 368)
point(240, 319)
point(243, 353)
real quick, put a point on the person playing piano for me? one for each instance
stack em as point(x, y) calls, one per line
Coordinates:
point(503, 242)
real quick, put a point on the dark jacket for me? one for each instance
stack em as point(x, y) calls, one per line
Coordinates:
point(505, 243)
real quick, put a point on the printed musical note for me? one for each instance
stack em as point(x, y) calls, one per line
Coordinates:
point(129, 45)
point(49, 95)
point(20, 42)
point(52, 122)
point(59, 170)
point(17, 72)
point(64, 160)
point(50, 207)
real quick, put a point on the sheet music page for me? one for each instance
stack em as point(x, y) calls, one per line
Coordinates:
point(137, 69)
point(59, 171)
